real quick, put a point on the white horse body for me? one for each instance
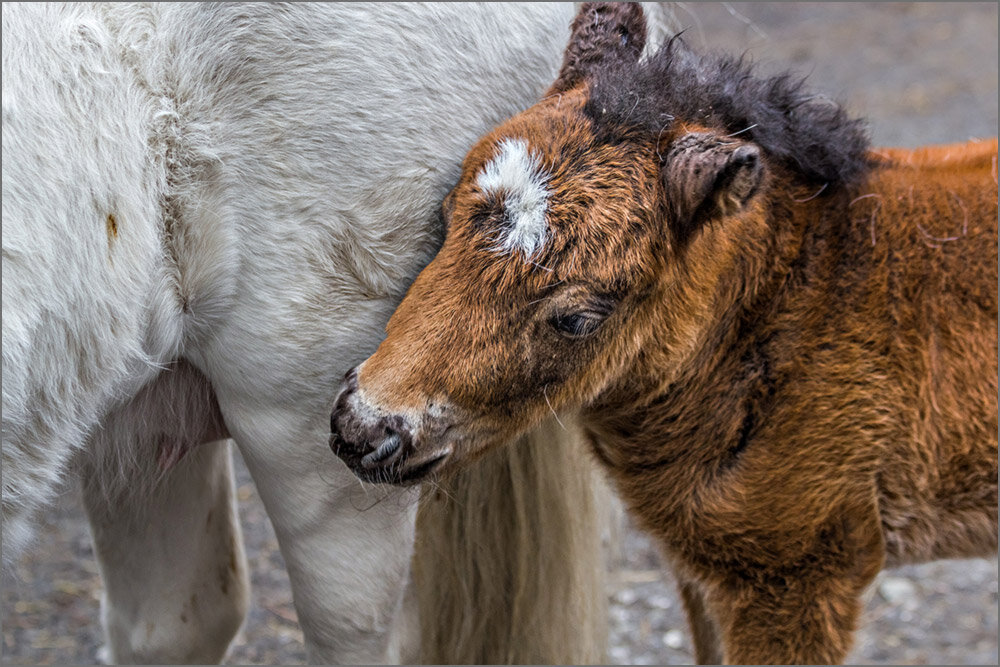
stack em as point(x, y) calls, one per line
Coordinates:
point(86, 316)
point(227, 203)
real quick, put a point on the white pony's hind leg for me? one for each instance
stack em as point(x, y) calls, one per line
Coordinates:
point(172, 563)
point(166, 534)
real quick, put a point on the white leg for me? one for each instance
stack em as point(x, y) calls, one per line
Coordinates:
point(347, 547)
point(172, 563)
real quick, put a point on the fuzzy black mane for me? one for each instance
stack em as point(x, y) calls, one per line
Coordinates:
point(807, 133)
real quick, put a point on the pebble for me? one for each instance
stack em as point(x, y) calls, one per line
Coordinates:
point(619, 615)
point(660, 602)
point(619, 654)
point(626, 596)
point(674, 638)
point(897, 590)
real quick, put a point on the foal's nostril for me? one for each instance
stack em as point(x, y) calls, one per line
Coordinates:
point(385, 451)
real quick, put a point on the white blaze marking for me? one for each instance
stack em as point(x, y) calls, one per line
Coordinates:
point(517, 175)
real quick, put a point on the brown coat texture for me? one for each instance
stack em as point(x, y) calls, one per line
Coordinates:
point(844, 417)
point(780, 343)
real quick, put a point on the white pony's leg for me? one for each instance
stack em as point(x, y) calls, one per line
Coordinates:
point(347, 548)
point(172, 563)
point(158, 490)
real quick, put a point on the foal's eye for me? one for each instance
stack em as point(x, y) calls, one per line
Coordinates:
point(580, 323)
point(576, 325)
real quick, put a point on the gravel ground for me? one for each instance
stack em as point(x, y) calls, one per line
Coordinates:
point(922, 73)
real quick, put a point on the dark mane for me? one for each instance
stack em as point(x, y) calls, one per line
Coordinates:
point(807, 133)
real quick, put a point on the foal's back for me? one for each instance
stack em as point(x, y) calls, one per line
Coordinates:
point(929, 218)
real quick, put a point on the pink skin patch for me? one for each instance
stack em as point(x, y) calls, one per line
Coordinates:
point(168, 453)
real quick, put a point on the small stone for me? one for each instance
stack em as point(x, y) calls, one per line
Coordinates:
point(619, 654)
point(660, 602)
point(625, 596)
point(897, 590)
point(673, 638)
point(104, 655)
point(619, 615)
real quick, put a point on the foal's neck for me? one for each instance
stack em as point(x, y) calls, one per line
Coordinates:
point(684, 403)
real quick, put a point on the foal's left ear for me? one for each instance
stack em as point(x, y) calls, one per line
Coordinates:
point(602, 33)
point(706, 178)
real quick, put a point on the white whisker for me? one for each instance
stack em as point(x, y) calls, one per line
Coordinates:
point(965, 211)
point(938, 239)
point(546, 395)
point(745, 129)
point(539, 266)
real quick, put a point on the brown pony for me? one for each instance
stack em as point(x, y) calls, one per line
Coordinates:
point(781, 343)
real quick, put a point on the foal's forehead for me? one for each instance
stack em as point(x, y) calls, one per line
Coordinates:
point(552, 197)
point(516, 183)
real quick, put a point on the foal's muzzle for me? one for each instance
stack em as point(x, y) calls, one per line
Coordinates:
point(378, 446)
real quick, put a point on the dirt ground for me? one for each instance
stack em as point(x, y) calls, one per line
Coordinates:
point(922, 73)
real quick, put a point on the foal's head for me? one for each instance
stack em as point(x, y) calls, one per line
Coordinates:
point(570, 227)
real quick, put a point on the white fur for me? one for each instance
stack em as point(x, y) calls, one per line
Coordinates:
point(516, 176)
point(273, 173)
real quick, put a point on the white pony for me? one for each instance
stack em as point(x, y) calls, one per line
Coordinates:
point(209, 212)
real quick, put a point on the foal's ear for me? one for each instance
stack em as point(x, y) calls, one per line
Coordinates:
point(602, 33)
point(706, 178)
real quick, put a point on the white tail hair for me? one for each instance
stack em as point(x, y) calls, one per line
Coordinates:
point(509, 565)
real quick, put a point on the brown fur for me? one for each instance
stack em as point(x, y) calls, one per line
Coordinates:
point(795, 386)
point(869, 376)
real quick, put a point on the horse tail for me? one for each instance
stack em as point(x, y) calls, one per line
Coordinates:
point(509, 565)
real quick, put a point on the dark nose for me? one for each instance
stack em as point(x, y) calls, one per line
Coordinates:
point(374, 447)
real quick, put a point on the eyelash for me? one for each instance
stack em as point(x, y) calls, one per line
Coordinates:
point(576, 325)
point(583, 323)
